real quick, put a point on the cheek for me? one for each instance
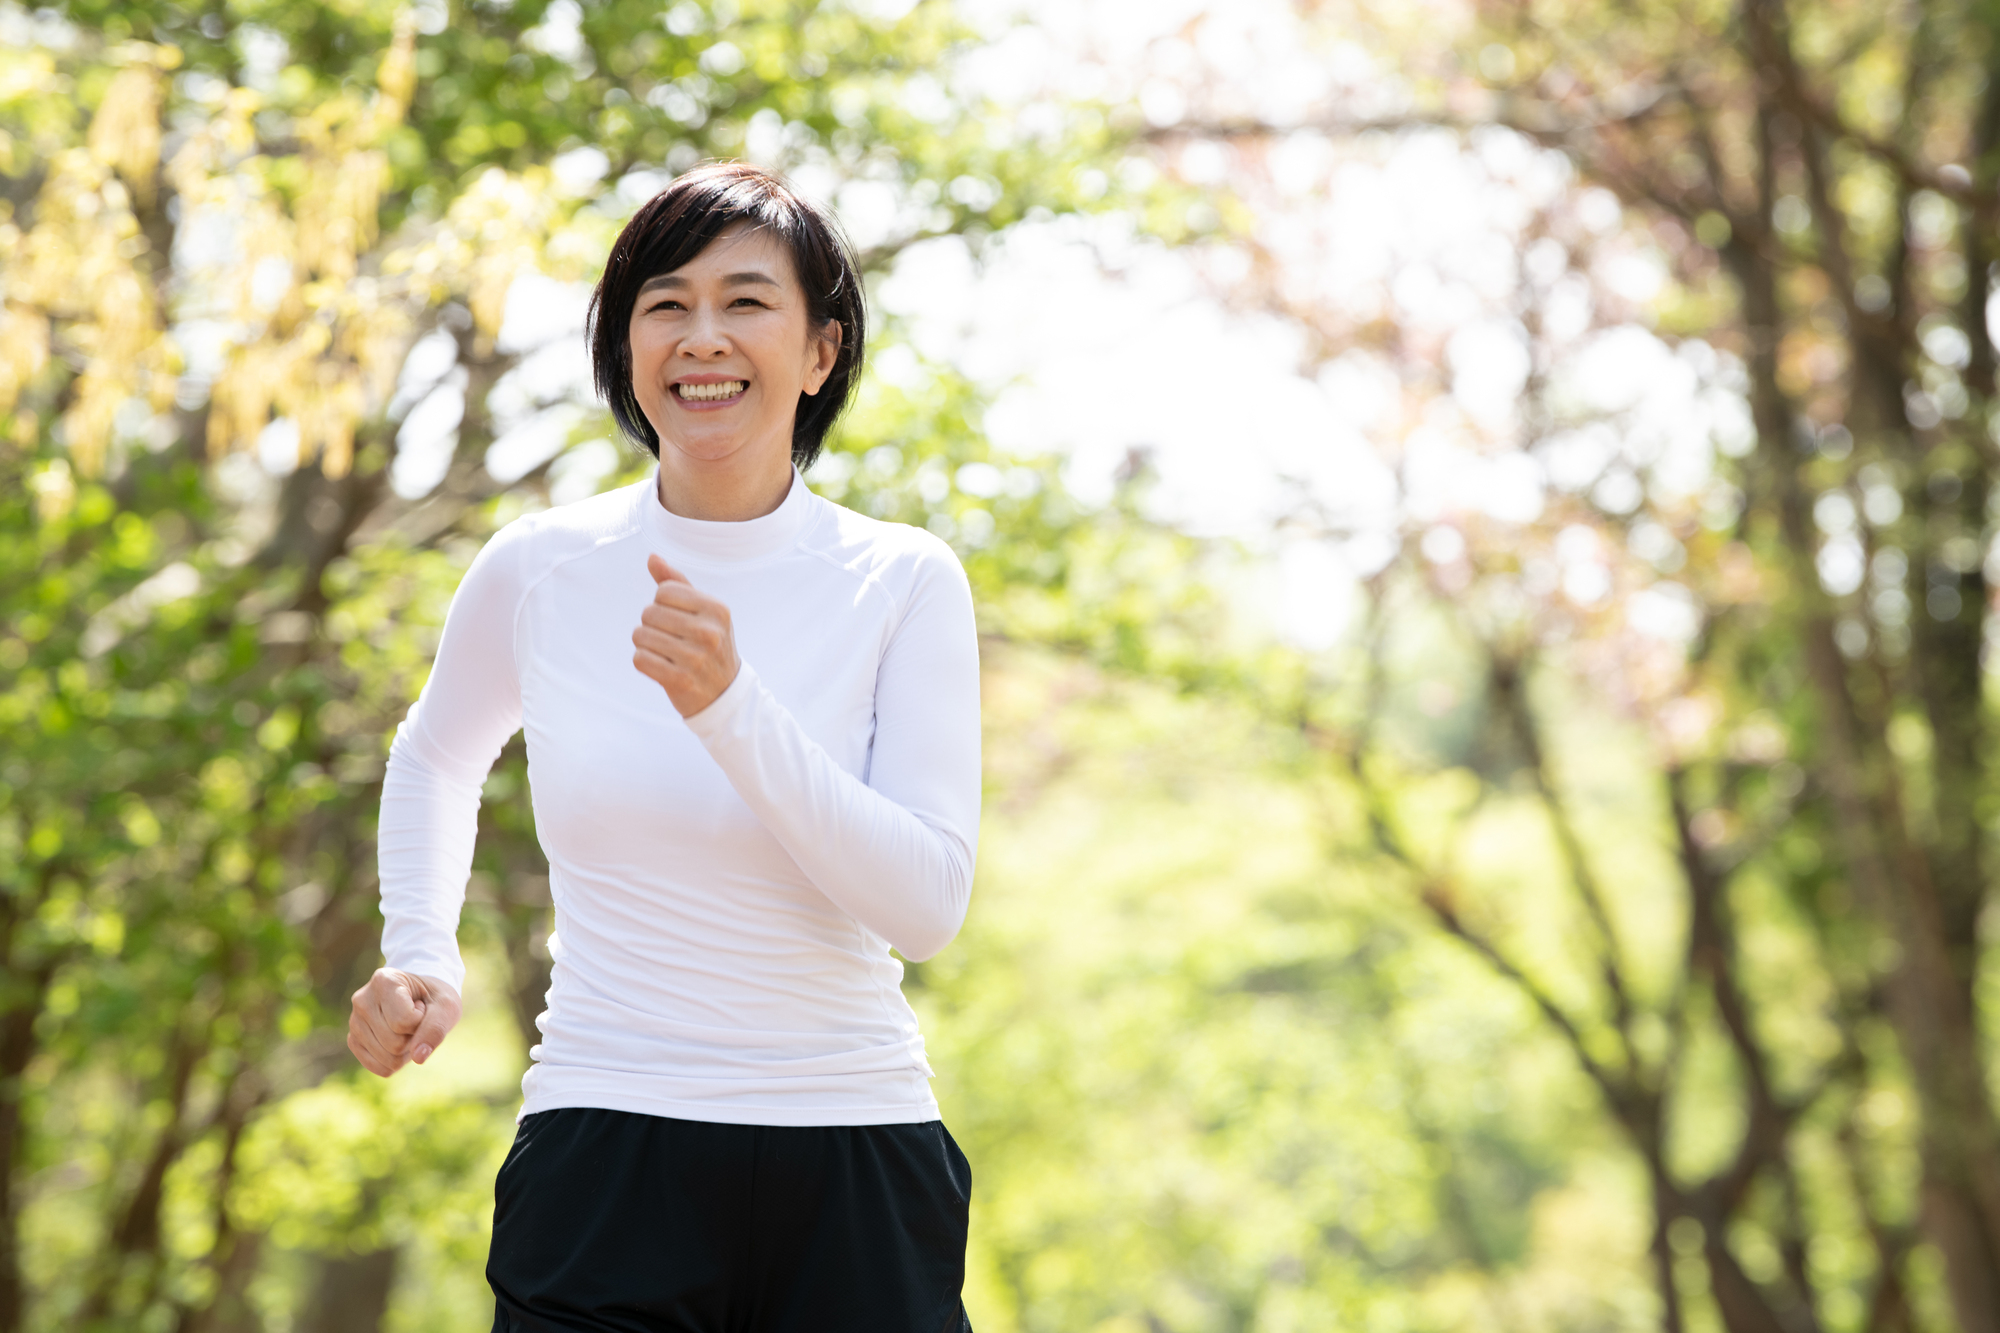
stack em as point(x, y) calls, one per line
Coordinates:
point(770, 356)
point(647, 347)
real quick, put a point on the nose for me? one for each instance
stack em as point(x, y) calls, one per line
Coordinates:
point(704, 339)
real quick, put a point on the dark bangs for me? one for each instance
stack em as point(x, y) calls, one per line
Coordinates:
point(679, 223)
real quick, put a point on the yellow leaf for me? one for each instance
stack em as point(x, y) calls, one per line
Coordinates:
point(125, 132)
point(24, 350)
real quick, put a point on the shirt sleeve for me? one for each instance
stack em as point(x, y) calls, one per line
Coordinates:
point(438, 762)
point(895, 851)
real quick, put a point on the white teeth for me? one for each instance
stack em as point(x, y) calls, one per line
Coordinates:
point(708, 392)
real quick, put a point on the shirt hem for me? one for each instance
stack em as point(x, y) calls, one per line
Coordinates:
point(724, 1113)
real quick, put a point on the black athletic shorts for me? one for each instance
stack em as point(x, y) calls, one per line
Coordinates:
point(611, 1222)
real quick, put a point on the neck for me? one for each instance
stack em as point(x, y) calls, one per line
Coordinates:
point(726, 491)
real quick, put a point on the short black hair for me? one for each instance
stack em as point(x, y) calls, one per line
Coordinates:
point(679, 223)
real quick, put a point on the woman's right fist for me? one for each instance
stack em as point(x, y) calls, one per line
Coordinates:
point(399, 1017)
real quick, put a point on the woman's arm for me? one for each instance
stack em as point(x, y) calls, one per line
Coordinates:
point(896, 851)
point(439, 760)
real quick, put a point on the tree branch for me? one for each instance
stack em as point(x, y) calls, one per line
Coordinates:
point(1510, 690)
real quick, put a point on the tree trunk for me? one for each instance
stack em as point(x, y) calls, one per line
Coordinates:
point(17, 1047)
point(352, 1293)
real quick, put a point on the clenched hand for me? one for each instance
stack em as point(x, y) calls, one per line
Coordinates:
point(684, 641)
point(399, 1017)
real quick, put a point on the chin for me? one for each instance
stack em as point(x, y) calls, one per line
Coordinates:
point(701, 451)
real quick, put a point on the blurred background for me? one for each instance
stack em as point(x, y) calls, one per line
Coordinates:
point(1482, 523)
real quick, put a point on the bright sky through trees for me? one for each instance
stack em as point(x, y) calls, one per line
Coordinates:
point(1095, 341)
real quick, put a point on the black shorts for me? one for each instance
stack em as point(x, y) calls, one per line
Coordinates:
point(611, 1222)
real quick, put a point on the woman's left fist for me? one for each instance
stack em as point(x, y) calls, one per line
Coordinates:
point(684, 641)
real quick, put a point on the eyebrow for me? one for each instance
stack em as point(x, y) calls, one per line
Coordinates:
point(732, 279)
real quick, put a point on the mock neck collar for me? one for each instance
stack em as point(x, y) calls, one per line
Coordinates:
point(729, 543)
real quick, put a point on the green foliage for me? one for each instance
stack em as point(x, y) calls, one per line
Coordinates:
point(1206, 1084)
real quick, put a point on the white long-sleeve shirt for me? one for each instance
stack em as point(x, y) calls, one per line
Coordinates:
point(727, 887)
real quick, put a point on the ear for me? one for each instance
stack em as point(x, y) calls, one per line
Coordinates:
point(825, 351)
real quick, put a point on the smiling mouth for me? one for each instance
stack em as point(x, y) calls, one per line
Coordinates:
point(709, 393)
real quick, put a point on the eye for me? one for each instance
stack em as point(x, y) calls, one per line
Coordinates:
point(668, 304)
point(748, 300)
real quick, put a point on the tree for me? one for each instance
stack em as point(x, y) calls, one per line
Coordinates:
point(1814, 181)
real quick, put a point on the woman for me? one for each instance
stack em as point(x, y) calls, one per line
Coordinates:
point(753, 740)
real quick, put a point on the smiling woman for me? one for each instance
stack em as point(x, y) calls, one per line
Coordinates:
point(728, 277)
point(724, 352)
point(746, 800)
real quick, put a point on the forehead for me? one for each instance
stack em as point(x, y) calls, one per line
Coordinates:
point(743, 254)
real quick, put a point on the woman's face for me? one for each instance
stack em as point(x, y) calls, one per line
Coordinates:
point(722, 347)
